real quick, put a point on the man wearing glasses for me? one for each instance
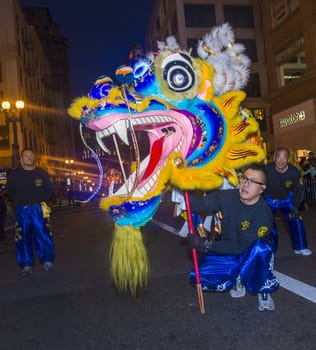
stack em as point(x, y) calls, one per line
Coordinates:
point(243, 258)
point(285, 192)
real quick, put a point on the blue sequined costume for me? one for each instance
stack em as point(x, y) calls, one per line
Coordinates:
point(285, 192)
point(29, 190)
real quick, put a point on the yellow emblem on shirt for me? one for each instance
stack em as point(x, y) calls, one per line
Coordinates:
point(288, 183)
point(262, 231)
point(244, 225)
point(38, 182)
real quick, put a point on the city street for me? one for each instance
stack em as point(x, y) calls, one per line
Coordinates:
point(76, 307)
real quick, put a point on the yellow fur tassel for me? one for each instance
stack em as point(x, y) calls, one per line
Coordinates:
point(129, 261)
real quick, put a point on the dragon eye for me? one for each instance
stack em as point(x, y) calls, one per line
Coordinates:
point(178, 72)
point(179, 79)
point(141, 67)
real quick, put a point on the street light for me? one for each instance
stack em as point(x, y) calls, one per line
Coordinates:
point(69, 163)
point(11, 117)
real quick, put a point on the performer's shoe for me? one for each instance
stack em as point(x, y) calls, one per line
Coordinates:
point(305, 252)
point(26, 270)
point(48, 266)
point(238, 290)
point(265, 302)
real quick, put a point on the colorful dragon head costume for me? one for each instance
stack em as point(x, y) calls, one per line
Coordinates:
point(198, 133)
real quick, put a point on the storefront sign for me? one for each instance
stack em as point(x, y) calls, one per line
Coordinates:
point(292, 119)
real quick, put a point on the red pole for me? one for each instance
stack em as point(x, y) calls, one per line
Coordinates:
point(194, 254)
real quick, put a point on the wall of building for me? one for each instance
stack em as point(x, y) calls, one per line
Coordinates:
point(28, 75)
point(290, 31)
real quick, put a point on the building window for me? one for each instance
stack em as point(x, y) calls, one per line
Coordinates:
point(4, 136)
point(19, 48)
point(163, 10)
point(199, 16)
point(239, 16)
point(192, 45)
point(17, 25)
point(253, 86)
point(280, 9)
point(259, 114)
point(158, 25)
point(174, 25)
point(250, 48)
point(293, 69)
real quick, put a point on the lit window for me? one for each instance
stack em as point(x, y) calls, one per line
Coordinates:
point(293, 69)
point(259, 114)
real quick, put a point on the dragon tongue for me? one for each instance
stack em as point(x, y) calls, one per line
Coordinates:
point(156, 152)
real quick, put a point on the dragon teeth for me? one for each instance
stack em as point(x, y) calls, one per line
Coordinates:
point(99, 135)
point(121, 131)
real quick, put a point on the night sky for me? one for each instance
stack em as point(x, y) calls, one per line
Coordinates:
point(99, 33)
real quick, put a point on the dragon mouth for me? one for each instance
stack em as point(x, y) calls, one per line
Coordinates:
point(167, 132)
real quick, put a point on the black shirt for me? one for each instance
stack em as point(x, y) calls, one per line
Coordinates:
point(280, 185)
point(241, 224)
point(28, 187)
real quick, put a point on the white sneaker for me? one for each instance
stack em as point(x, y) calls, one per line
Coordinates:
point(48, 266)
point(238, 290)
point(265, 302)
point(304, 252)
point(26, 270)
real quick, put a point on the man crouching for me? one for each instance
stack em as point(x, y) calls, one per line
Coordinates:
point(243, 258)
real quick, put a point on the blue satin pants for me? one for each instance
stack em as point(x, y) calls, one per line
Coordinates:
point(296, 227)
point(33, 233)
point(218, 272)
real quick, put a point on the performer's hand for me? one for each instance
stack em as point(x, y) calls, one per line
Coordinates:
point(197, 242)
point(294, 214)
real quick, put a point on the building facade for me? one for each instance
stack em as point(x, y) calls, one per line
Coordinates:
point(26, 73)
point(290, 43)
point(279, 37)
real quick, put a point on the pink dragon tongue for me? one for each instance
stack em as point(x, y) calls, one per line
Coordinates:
point(156, 151)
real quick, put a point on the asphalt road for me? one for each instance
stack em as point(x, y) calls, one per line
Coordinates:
point(76, 307)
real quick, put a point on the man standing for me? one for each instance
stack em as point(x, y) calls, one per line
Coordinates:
point(243, 258)
point(285, 192)
point(30, 187)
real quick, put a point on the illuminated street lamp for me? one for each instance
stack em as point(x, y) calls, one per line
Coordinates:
point(69, 163)
point(12, 115)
